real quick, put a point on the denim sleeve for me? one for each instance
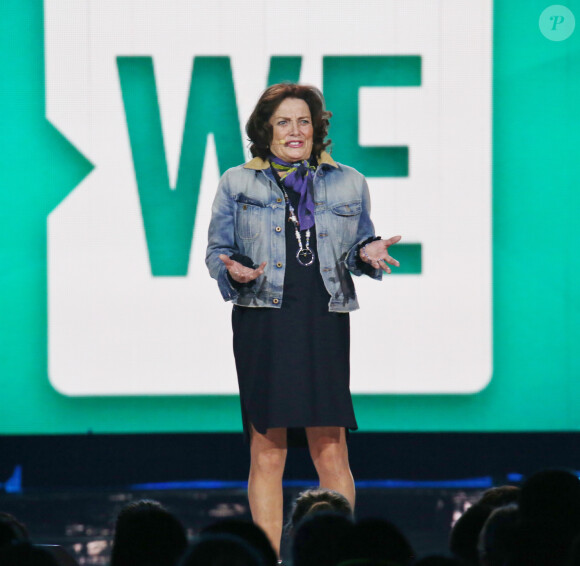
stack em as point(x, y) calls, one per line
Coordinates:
point(365, 231)
point(221, 238)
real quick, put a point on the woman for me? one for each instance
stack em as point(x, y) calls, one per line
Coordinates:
point(305, 219)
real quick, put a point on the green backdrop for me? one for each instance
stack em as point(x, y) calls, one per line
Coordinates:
point(536, 264)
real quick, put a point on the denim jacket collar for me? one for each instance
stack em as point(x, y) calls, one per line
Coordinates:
point(259, 164)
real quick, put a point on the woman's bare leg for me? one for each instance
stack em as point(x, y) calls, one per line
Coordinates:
point(330, 456)
point(268, 457)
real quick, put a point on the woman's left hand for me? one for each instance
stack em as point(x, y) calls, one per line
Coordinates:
point(378, 255)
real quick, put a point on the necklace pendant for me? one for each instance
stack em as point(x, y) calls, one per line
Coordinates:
point(305, 257)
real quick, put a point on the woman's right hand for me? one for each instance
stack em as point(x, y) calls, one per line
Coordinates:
point(240, 273)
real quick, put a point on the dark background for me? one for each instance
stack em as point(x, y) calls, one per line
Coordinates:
point(94, 460)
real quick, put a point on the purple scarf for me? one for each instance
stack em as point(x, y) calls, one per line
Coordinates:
point(298, 177)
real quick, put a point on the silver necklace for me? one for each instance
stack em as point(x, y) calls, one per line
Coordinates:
point(304, 255)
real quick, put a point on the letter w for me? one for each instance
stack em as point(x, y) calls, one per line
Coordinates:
point(169, 213)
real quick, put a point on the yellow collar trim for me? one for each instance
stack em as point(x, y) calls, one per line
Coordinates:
point(258, 163)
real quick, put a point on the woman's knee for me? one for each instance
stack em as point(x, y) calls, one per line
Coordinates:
point(269, 461)
point(331, 459)
point(329, 453)
point(268, 452)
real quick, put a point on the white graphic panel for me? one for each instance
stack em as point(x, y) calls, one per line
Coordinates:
point(114, 329)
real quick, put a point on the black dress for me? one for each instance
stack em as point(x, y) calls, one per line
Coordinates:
point(293, 363)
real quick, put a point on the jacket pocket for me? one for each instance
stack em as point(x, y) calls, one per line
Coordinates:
point(345, 218)
point(248, 217)
point(347, 208)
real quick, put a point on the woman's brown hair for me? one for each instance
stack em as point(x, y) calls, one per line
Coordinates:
point(259, 129)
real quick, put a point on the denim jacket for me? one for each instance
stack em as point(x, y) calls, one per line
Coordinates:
point(249, 218)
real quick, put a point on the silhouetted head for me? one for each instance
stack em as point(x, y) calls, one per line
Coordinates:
point(552, 496)
point(500, 496)
point(539, 543)
point(322, 539)
point(549, 518)
point(318, 500)
point(380, 540)
point(464, 536)
point(498, 536)
point(247, 531)
point(221, 549)
point(11, 530)
point(147, 534)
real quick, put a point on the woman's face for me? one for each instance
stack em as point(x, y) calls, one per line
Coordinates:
point(292, 130)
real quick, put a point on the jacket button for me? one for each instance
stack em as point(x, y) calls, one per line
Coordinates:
point(275, 301)
point(278, 200)
point(278, 229)
point(279, 264)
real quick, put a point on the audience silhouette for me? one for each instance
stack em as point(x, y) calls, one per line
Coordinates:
point(147, 534)
point(222, 549)
point(537, 525)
